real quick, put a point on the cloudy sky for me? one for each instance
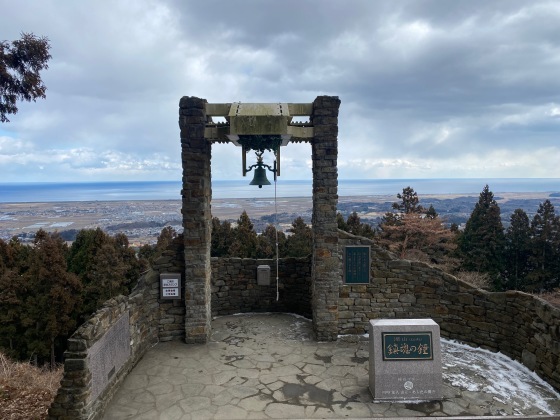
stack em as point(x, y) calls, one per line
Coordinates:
point(429, 89)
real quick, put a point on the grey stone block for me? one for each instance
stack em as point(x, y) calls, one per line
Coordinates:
point(403, 373)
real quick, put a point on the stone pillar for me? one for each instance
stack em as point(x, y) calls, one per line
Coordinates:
point(327, 266)
point(196, 194)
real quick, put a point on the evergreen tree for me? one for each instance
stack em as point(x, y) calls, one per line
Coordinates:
point(244, 243)
point(481, 244)
point(341, 223)
point(431, 213)
point(355, 226)
point(12, 293)
point(545, 256)
point(409, 202)
point(54, 295)
point(150, 253)
point(517, 250)
point(222, 238)
point(106, 266)
point(266, 243)
point(300, 242)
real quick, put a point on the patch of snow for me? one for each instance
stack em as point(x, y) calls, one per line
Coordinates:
point(494, 373)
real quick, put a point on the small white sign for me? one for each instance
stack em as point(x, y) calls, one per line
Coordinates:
point(170, 292)
point(170, 283)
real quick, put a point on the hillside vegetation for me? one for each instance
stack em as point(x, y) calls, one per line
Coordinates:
point(26, 391)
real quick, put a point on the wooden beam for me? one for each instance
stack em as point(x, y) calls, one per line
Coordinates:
point(217, 110)
point(300, 109)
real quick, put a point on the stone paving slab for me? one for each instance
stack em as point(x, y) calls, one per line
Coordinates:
point(267, 366)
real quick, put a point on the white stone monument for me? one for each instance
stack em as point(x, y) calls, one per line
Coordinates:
point(405, 359)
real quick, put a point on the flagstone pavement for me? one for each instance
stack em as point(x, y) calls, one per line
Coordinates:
point(268, 366)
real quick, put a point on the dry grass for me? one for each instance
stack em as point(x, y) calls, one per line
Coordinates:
point(26, 392)
point(476, 279)
point(552, 297)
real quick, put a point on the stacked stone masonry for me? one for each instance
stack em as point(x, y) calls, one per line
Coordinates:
point(74, 398)
point(516, 324)
point(196, 196)
point(519, 325)
point(326, 265)
point(235, 288)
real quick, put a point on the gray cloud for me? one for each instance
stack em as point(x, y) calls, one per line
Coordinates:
point(428, 88)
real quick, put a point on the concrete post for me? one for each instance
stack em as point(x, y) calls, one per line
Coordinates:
point(197, 218)
point(327, 266)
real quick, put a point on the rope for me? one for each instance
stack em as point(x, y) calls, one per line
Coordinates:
point(276, 230)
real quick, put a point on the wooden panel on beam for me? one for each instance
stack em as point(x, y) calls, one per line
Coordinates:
point(217, 110)
point(300, 109)
point(301, 132)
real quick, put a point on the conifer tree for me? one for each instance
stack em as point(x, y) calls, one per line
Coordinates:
point(431, 212)
point(54, 295)
point(341, 223)
point(355, 226)
point(244, 243)
point(222, 238)
point(106, 266)
point(12, 293)
point(517, 250)
point(300, 242)
point(481, 244)
point(409, 202)
point(545, 256)
point(266, 243)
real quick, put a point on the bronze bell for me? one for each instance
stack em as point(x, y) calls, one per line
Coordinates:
point(260, 177)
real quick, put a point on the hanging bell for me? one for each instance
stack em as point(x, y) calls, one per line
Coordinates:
point(260, 177)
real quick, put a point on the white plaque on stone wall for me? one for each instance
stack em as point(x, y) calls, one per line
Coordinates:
point(405, 359)
point(170, 285)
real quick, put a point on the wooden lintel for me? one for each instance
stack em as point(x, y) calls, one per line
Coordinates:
point(301, 132)
point(217, 110)
point(300, 109)
point(216, 133)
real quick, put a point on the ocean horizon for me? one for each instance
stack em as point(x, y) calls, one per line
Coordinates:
point(29, 192)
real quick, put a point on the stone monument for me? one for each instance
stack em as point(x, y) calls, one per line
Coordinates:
point(404, 359)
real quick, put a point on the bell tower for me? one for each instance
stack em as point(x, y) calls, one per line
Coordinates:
point(259, 127)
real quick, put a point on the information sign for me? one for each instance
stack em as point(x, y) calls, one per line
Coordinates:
point(407, 346)
point(170, 285)
point(356, 264)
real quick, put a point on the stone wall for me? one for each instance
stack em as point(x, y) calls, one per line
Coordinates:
point(196, 196)
point(518, 325)
point(235, 288)
point(326, 266)
point(86, 387)
point(171, 312)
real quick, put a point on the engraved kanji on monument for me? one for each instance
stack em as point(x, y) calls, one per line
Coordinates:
point(405, 359)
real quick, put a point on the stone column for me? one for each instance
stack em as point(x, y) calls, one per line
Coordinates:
point(196, 194)
point(327, 266)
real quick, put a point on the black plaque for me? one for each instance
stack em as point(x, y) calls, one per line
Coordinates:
point(356, 264)
point(407, 346)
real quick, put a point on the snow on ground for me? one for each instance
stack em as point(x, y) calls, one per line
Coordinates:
point(479, 370)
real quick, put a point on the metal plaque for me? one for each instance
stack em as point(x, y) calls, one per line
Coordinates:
point(407, 346)
point(356, 264)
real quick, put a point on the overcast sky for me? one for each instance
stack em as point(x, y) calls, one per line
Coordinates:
point(428, 89)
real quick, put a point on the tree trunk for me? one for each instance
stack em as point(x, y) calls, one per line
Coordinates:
point(52, 353)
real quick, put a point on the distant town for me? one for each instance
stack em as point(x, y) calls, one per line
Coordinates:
point(142, 221)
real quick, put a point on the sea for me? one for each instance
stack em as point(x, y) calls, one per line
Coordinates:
point(27, 192)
